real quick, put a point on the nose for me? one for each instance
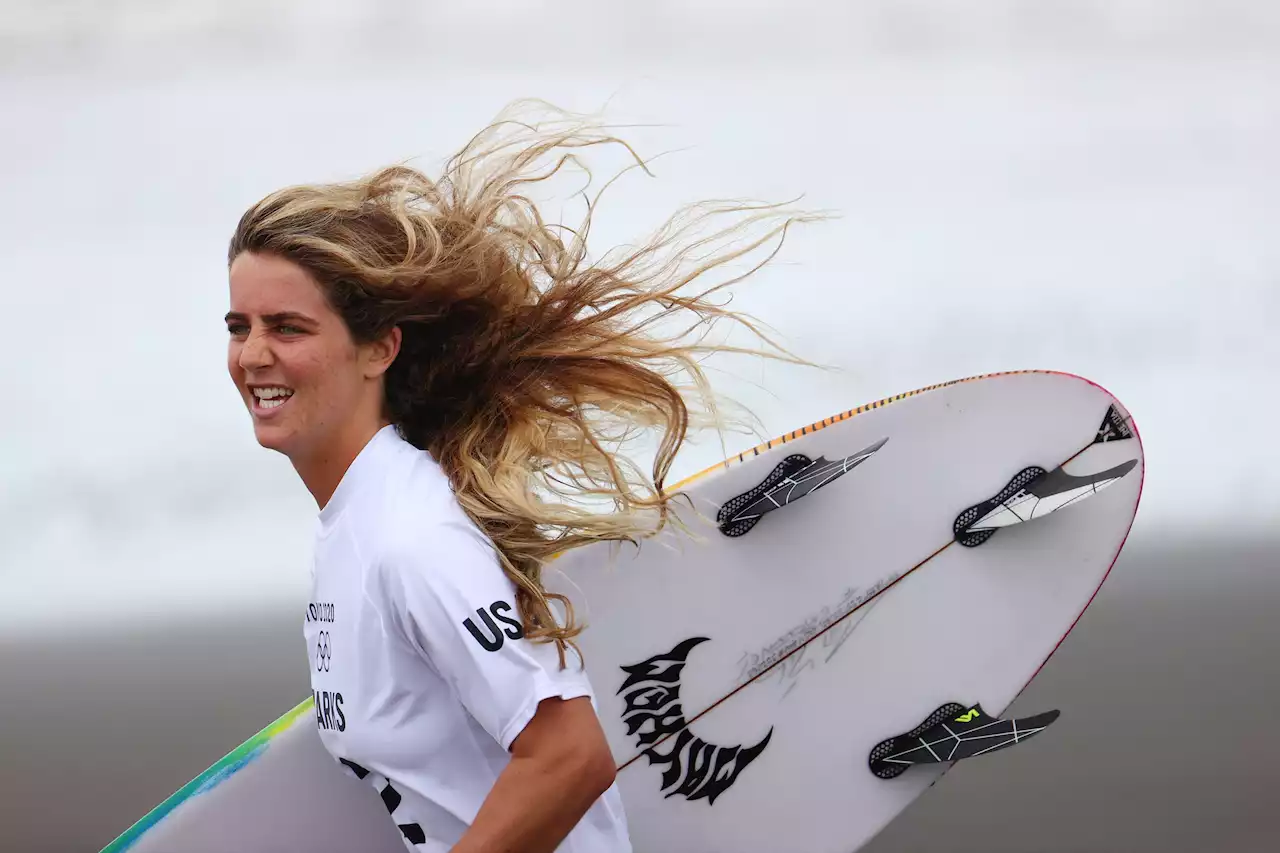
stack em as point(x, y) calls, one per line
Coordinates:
point(255, 352)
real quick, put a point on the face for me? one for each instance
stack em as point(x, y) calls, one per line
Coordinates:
point(306, 383)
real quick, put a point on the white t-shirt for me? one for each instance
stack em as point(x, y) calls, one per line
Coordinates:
point(421, 673)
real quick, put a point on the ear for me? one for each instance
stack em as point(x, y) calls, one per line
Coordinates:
point(381, 353)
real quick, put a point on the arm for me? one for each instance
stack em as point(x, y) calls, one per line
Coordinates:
point(560, 765)
point(445, 593)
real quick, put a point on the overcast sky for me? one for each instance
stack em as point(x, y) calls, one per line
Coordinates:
point(1085, 188)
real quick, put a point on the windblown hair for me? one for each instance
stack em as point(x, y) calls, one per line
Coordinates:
point(526, 370)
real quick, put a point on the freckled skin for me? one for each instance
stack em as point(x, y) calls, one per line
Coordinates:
point(338, 385)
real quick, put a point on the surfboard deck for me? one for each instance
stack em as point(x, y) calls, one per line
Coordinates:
point(845, 582)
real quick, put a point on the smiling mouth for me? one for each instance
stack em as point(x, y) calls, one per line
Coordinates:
point(269, 398)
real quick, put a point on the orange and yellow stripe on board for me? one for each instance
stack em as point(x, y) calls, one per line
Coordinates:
point(835, 419)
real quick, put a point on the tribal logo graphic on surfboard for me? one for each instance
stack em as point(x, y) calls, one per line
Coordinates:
point(1032, 493)
point(792, 479)
point(695, 769)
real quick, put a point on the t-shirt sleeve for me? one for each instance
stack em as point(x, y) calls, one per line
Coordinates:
point(446, 593)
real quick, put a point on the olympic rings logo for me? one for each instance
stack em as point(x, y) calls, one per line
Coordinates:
point(323, 652)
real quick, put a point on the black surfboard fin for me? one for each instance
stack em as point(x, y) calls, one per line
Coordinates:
point(791, 479)
point(1032, 493)
point(951, 733)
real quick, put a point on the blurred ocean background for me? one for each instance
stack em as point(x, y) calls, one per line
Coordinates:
point(1082, 185)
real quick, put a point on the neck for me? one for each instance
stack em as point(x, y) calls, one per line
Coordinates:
point(322, 469)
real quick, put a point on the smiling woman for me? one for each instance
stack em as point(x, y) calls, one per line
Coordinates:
point(450, 378)
point(298, 369)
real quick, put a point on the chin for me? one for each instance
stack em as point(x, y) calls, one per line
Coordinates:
point(272, 437)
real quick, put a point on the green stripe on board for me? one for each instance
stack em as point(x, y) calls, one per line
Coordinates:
point(232, 763)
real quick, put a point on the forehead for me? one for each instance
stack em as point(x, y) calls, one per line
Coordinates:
point(267, 284)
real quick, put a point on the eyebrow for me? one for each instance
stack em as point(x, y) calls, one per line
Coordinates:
point(280, 317)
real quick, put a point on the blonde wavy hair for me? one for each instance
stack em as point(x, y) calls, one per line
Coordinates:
point(525, 370)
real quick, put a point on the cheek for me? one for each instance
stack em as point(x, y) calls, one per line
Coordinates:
point(320, 370)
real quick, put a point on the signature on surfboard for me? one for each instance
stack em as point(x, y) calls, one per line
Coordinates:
point(759, 666)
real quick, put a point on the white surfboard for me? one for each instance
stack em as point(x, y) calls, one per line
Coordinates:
point(864, 597)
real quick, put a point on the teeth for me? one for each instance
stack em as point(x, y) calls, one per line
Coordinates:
point(271, 393)
point(270, 404)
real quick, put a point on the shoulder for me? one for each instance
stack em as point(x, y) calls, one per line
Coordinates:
point(411, 511)
point(426, 542)
point(438, 582)
point(448, 549)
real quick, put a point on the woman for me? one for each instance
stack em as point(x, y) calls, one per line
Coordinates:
point(455, 385)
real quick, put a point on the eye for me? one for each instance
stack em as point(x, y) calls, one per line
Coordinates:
point(286, 329)
point(238, 330)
